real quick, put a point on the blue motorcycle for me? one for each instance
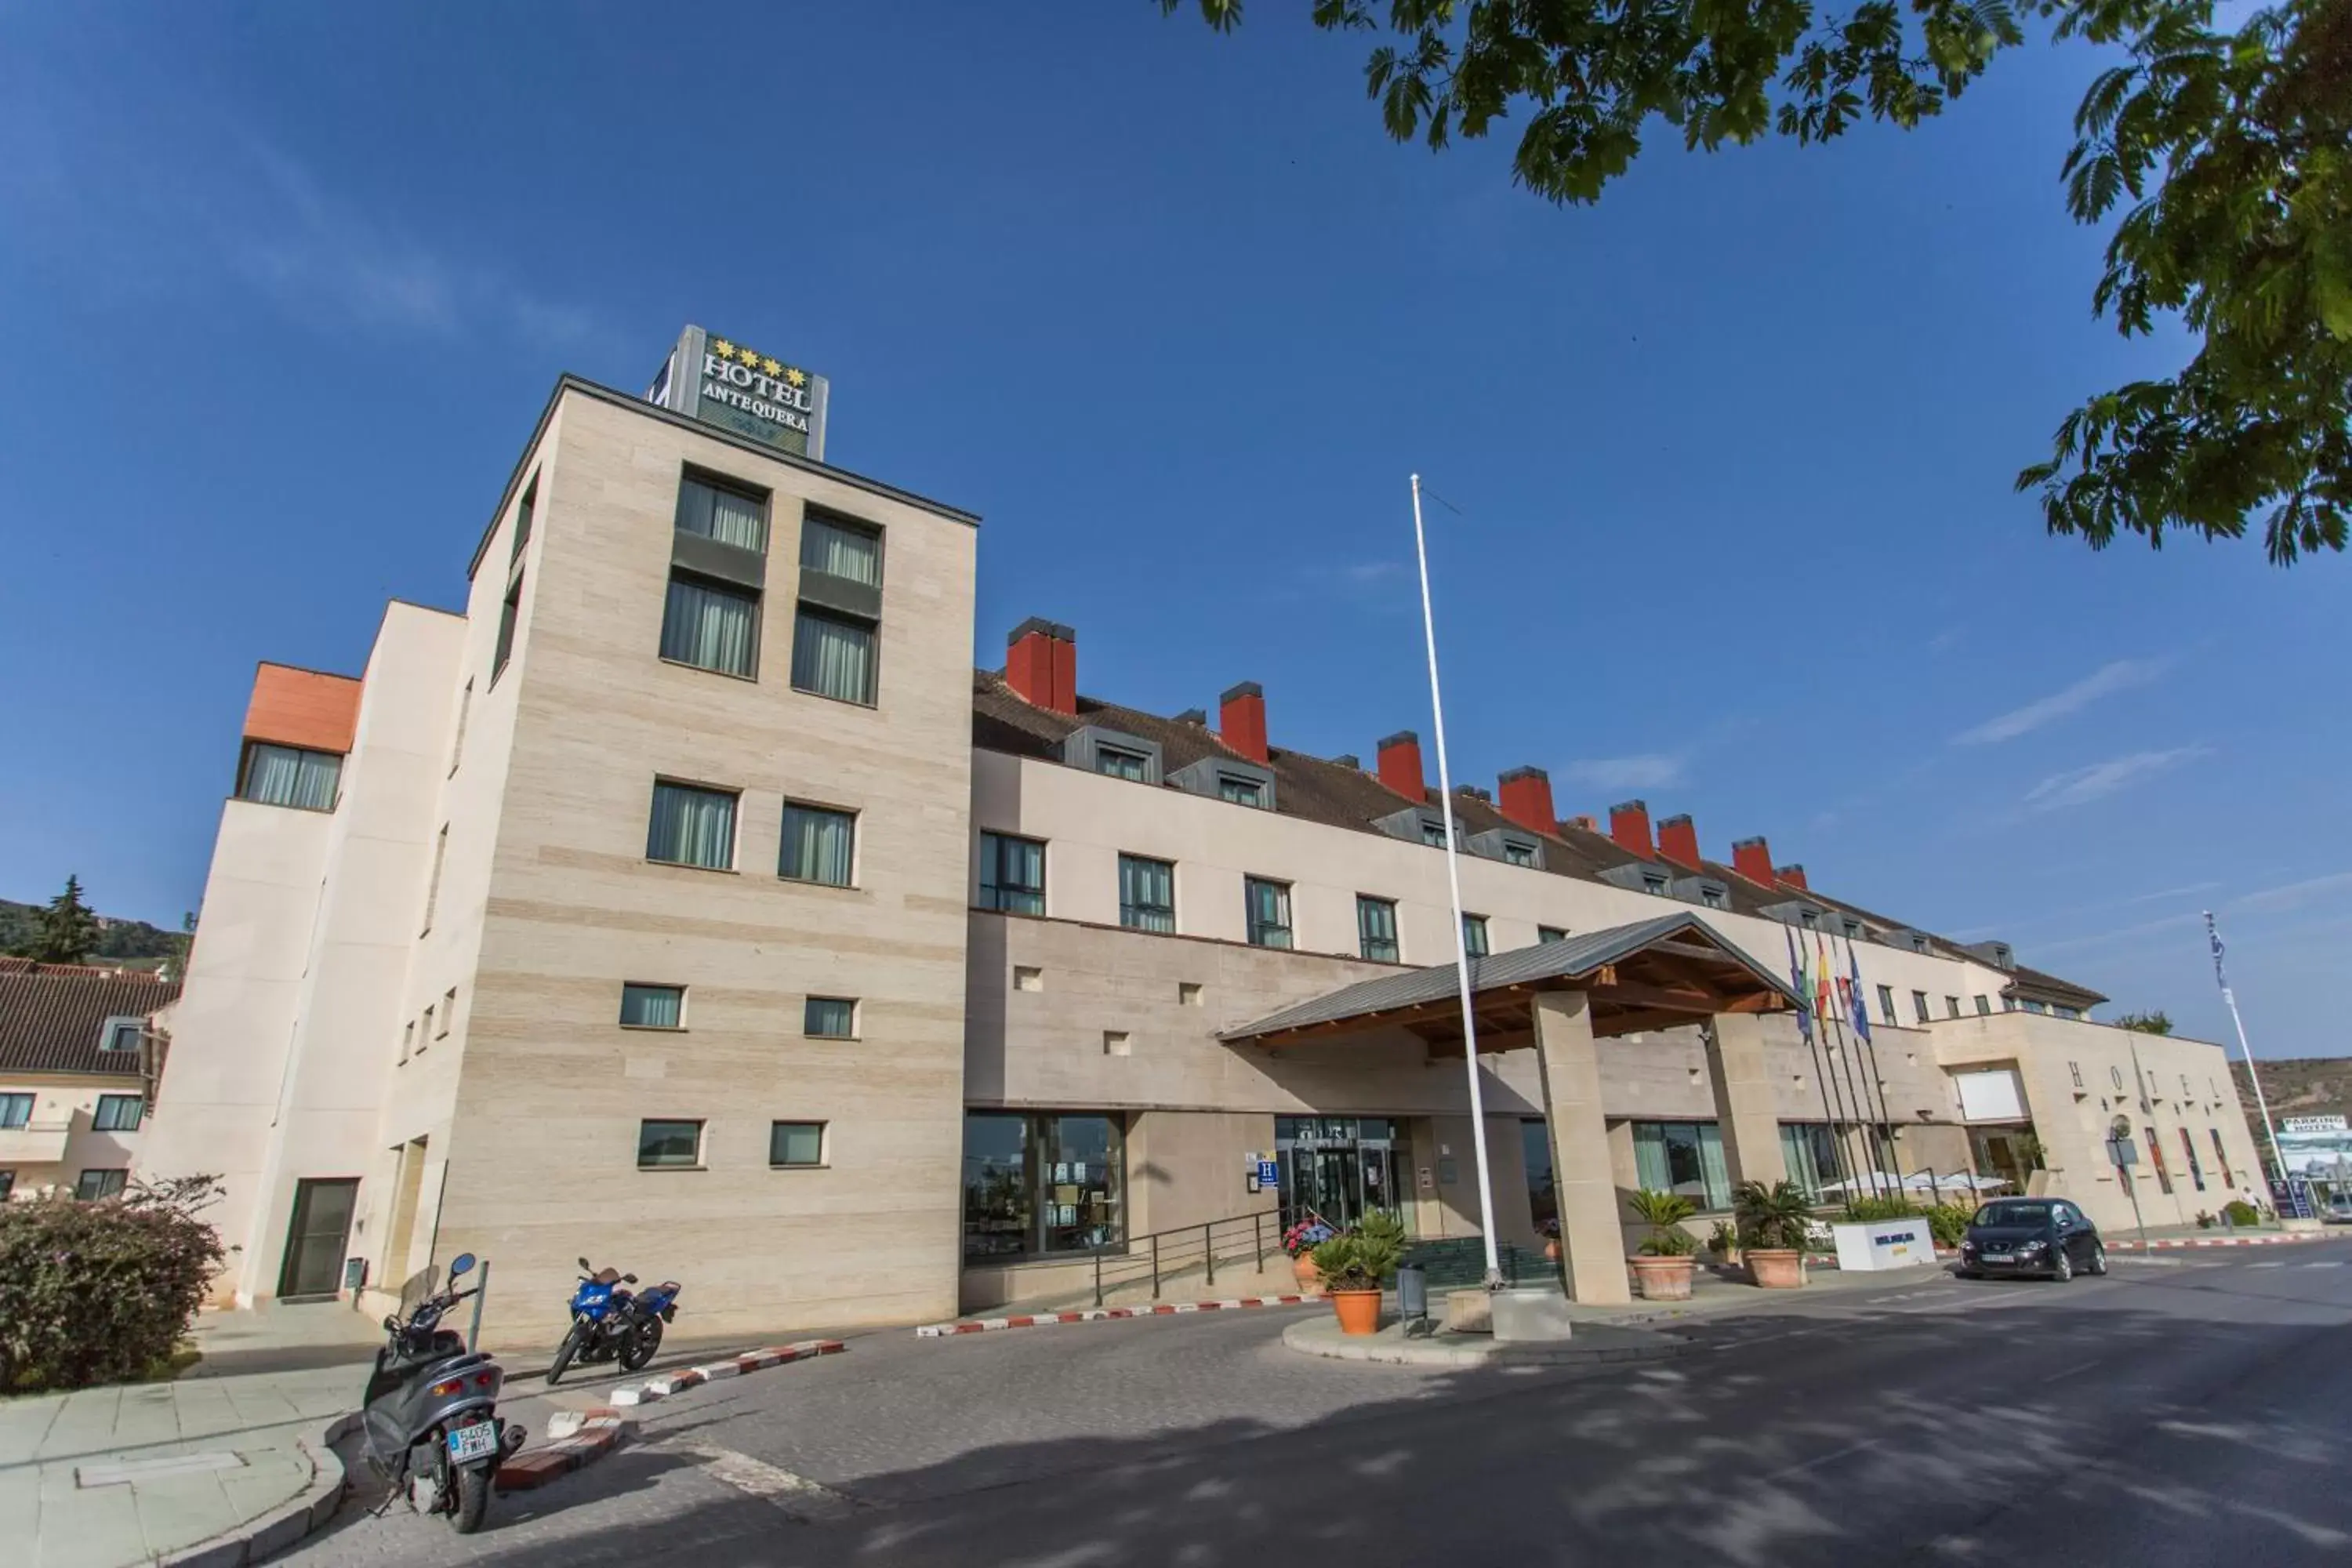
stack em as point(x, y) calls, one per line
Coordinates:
point(610, 1323)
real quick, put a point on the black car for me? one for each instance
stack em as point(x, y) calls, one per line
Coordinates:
point(2032, 1236)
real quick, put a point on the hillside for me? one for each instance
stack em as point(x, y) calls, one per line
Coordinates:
point(135, 944)
point(2299, 1086)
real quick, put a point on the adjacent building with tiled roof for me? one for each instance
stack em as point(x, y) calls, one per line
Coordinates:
point(76, 1043)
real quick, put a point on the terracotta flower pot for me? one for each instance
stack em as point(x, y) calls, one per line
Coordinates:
point(1359, 1311)
point(1665, 1278)
point(1303, 1269)
point(1551, 1249)
point(1776, 1267)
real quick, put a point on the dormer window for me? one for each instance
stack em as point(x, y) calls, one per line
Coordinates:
point(1654, 883)
point(1711, 895)
point(120, 1034)
point(1850, 927)
point(1241, 791)
point(1811, 919)
point(1416, 826)
point(1112, 754)
point(1228, 779)
point(1518, 854)
point(1432, 832)
point(1508, 845)
point(1121, 763)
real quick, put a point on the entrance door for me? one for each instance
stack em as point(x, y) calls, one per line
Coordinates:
point(314, 1241)
point(1339, 1167)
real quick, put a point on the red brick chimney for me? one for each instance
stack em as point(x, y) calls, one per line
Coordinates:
point(1752, 859)
point(1629, 824)
point(1678, 840)
point(1794, 876)
point(1241, 720)
point(1583, 821)
point(1526, 797)
point(1041, 663)
point(1400, 766)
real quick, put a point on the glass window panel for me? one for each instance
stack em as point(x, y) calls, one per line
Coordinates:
point(1147, 893)
point(121, 1114)
point(1269, 907)
point(1534, 1153)
point(819, 846)
point(1119, 764)
point(1474, 935)
point(1081, 1170)
point(692, 826)
point(1550, 933)
point(727, 516)
point(653, 1007)
point(15, 1110)
point(668, 1144)
point(709, 626)
point(1012, 874)
point(831, 1017)
point(1433, 833)
point(1518, 854)
point(1241, 791)
point(1376, 928)
point(508, 612)
point(796, 1144)
point(523, 520)
point(94, 1184)
point(289, 776)
point(833, 657)
point(841, 549)
point(1684, 1157)
point(999, 1200)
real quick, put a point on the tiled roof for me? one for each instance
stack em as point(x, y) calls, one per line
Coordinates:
point(50, 1014)
point(2043, 987)
point(1338, 796)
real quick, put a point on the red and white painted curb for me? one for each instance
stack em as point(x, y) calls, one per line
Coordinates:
point(1103, 1314)
point(2175, 1243)
point(582, 1437)
point(671, 1383)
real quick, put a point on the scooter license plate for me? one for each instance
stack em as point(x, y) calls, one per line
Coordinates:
point(479, 1441)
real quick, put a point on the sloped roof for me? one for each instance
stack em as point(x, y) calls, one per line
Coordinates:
point(50, 1014)
point(2024, 981)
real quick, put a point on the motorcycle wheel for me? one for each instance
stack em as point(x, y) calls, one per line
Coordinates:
point(473, 1498)
point(644, 1343)
point(563, 1355)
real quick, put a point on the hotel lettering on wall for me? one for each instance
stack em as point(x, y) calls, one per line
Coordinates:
point(726, 382)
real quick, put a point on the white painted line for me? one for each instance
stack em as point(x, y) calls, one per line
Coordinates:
point(796, 1495)
point(2273, 1263)
point(153, 1469)
point(2331, 1263)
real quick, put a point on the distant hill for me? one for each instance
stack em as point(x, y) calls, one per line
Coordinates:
point(134, 944)
point(2299, 1086)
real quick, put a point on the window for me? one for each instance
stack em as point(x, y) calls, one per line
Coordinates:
point(2185, 1090)
point(1951, 1006)
point(2155, 1159)
point(1656, 882)
point(1887, 1004)
point(1550, 933)
point(95, 1184)
point(523, 520)
point(2033, 1006)
point(832, 656)
point(1711, 896)
point(1474, 935)
point(840, 549)
point(2069, 1012)
point(1241, 791)
point(448, 1013)
point(15, 1110)
point(407, 1039)
point(1433, 833)
point(1685, 1157)
point(457, 744)
point(2008, 1004)
point(820, 846)
point(830, 1018)
point(1268, 908)
point(508, 613)
point(692, 826)
point(1121, 763)
point(8, 1184)
point(1517, 854)
point(2074, 1069)
point(2221, 1158)
point(1012, 874)
point(795, 1143)
point(1535, 1152)
point(1984, 1005)
point(1035, 1185)
point(2115, 1076)
point(2189, 1152)
point(731, 516)
point(289, 776)
point(668, 1144)
point(121, 1114)
point(432, 882)
point(653, 1007)
point(1919, 1004)
point(1147, 893)
point(710, 625)
point(1376, 934)
point(429, 1033)
point(1811, 919)
point(1809, 1151)
point(120, 1034)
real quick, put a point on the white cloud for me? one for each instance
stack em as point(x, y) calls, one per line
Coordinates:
point(1364, 573)
point(2080, 786)
point(1650, 770)
point(2108, 678)
point(2292, 895)
point(2127, 934)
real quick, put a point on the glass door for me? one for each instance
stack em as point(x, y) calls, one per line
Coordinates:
point(314, 1241)
point(1339, 1168)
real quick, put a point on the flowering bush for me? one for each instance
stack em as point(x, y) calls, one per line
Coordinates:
point(1305, 1236)
point(100, 1292)
point(1549, 1228)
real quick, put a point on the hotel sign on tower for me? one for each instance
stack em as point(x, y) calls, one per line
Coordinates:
point(727, 383)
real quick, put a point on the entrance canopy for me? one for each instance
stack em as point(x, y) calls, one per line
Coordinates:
point(1652, 974)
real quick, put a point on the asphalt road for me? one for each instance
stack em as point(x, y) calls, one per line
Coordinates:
point(2171, 1413)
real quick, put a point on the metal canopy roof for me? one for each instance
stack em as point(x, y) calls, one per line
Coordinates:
point(1652, 974)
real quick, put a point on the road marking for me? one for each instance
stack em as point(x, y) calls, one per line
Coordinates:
point(2331, 1263)
point(795, 1495)
point(2273, 1263)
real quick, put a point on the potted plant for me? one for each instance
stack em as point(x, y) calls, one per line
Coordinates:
point(1724, 1242)
point(1773, 1223)
point(1300, 1241)
point(1664, 1264)
point(1550, 1230)
point(1354, 1265)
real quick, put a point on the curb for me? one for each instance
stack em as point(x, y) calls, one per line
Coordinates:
point(670, 1383)
point(588, 1436)
point(2175, 1244)
point(1522, 1352)
point(1103, 1314)
point(268, 1533)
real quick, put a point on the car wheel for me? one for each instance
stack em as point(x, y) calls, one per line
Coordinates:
point(2098, 1263)
point(2064, 1269)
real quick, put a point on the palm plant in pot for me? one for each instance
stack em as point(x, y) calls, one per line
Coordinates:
point(1355, 1263)
point(1772, 1224)
point(1663, 1262)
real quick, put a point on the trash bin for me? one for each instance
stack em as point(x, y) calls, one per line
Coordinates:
point(1412, 1292)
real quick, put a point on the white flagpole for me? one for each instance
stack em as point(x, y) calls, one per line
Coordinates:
point(2254, 1075)
point(1461, 945)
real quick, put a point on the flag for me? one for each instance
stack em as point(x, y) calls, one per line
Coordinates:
point(1821, 976)
point(2213, 935)
point(1803, 990)
point(1858, 1003)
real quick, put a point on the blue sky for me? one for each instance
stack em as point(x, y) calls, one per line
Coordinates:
point(284, 291)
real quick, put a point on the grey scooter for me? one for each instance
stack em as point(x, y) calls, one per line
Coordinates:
point(430, 1413)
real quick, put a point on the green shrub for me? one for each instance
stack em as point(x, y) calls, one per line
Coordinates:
point(2240, 1212)
point(100, 1292)
point(1949, 1223)
point(1864, 1210)
point(1664, 1213)
point(1362, 1258)
point(1722, 1240)
point(1773, 1217)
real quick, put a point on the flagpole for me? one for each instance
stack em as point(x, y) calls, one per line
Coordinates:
point(2230, 997)
point(1814, 1030)
point(1454, 884)
point(1861, 1006)
point(1826, 982)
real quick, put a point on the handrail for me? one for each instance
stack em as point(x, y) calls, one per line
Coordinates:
point(1262, 1224)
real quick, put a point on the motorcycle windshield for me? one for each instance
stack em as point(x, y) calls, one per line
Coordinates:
point(592, 1299)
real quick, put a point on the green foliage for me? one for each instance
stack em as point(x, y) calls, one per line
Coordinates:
point(1864, 1209)
point(65, 931)
point(1774, 1216)
point(1664, 1213)
point(1949, 1223)
point(100, 1292)
point(1670, 1242)
point(2205, 1220)
point(1364, 1258)
point(2145, 1023)
point(2237, 1211)
point(2234, 150)
point(1722, 1240)
point(20, 926)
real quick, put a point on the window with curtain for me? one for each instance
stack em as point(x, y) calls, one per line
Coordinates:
point(1241, 791)
point(523, 520)
point(820, 846)
point(670, 1143)
point(15, 1110)
point(1518, 854)
point(1684, 1157)
point(1120, 765)
point(830, 1018)
point(709, 626)
point(290, 775)
point(832, 656)
point(1433, 833)
point(1809, 1149)
point(1147, 893)
point(730, 516)
point(692, 826)
point(121, 1114)
point(1376, 934)
point(653, 1007)
point(1268, 907)
point(508, 613)
point(795, 1143)
point(1919, 1005)
point(1474, 935)
point(95, 1184)
point(1550, 933)
point(1042, 1183)
point(1887, 1004)
point(1012, 874)
point(841, 549)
